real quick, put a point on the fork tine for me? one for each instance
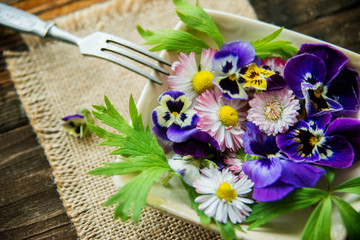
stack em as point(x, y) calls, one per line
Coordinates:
point(125, 53)
point(128, 65)
point(137, 48)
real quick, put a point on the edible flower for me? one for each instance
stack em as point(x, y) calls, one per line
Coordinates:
point(223, 195)
point(320, 141)
point(222, 118)
point(76, 125)
point(227, 64)
point(191, 78)
point(173, 119)
point(320, 75)
point(273, 112)
point(274, 175)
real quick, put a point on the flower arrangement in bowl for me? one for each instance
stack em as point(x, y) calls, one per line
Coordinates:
point(254, 122)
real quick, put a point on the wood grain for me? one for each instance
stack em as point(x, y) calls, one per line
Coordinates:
point(30, 206)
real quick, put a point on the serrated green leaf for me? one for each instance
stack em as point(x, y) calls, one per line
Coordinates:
point(133, 194)
point(140, 154)
point(298, 199)
point(350, 186)
point(350, 217)
point(196, 18)
point(175, 40)
point(318, 225)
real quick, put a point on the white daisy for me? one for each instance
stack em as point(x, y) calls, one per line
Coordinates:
point(223, 195)
point(191, 78)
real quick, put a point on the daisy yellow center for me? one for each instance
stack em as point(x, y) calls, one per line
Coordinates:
point(226, 192)
point(228, 116)
point(202, 81)
point(273, 110)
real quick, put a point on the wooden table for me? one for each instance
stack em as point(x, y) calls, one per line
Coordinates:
point(30, 206)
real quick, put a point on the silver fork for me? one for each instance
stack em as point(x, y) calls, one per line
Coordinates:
point(98, 44)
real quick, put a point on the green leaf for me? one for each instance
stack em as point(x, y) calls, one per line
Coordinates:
point(298, 199)
point(140, 153)
point(350, 217)
point(266, 47)
point(330, 174)
point(227, 231)
point(318, 225)
point(196, 18)
point(350, 186)
point(132, 196)
point(176, 40)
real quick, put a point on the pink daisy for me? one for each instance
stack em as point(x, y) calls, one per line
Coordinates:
point(191, 78)
point(222, 118)
point(274, 112)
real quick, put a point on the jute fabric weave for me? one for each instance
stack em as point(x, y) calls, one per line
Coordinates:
point(53, 80)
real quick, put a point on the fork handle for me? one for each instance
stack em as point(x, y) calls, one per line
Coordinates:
point(22, 21)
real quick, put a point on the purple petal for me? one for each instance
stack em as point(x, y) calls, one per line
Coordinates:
point(263, 172)
point(300, 174)
point(291, 143)
point(345, 89)
point(273, 192)
point(334, 59)
point(206, 138)
point(173, 94)
point(177, 134)
point(244, 50)
point(348, 128)
point(336, 152)
point(75, 116)
point(306, 68)
point(258, 143)
point(275, 82)
point(192, 147)
point(318, 105)
point(161, 132)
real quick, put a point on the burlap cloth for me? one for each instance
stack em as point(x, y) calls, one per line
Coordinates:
point(53, 80)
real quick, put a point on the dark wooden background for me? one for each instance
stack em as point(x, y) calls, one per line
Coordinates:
point(30, 206)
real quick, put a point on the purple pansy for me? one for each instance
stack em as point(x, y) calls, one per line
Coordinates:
point(274, 175)
point(320, 141)
point(198, 145)
point(320, 75)
point(227, 64)
point(173, 119)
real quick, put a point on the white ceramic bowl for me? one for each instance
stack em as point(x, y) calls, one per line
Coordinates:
point(173, 199)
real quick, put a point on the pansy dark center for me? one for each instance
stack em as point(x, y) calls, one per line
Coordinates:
point(226, 192)
point(310, 78)
point(202, 81)
point(317, 98)
point(273, 110)
point(228, 116)
point(175, 107)
point(308, 141)
point(255, 77)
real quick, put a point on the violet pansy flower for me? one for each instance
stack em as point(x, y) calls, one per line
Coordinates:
point(173, 119)
point(319, 141)
point(320, 75)
point(198, 145)
point(274, 175)
point(76, 125)
point(227, 64)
